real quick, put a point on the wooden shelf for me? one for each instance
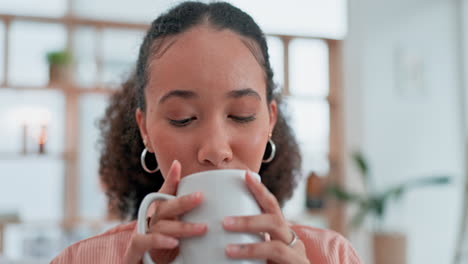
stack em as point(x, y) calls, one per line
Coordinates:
point(70, 88)
point(12, 156)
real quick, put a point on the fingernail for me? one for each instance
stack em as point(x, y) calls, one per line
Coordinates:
point(229, 221)
point(199, 226)
point(171, 242)
point(233, 249)
point(196, 195)
point(247, 175)
point(254, 177)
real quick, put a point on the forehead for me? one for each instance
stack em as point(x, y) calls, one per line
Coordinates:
point(206, 58)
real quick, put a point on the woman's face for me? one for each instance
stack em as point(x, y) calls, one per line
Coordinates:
point(206, 103)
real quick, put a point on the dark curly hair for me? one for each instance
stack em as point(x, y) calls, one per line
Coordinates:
point(125, 181)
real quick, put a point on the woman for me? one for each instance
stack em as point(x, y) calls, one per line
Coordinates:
point(201, 99)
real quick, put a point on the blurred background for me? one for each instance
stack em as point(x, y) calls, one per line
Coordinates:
point(376, 92)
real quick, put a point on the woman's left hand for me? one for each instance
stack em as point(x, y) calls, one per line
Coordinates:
point(278, 249)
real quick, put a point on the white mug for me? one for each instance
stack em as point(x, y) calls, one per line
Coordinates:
point(225, 194)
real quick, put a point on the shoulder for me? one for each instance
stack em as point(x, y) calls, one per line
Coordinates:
point(326, 246)
point(113, 242)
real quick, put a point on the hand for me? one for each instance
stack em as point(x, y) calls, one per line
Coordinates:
point(272, 222)
point(164, 228)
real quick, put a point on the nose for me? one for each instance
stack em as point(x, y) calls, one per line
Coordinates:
point(215, 149)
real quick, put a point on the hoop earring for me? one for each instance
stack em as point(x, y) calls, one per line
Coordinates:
point(143, 162)
point(272, 153)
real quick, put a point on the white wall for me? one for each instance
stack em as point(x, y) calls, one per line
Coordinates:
point(408, 126)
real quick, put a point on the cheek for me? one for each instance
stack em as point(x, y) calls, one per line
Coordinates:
point(249, 147)
point(168, 147)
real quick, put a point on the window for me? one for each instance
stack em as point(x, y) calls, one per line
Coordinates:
point(309, 68)
point(309, 86)
point(2, 55)
point(85, 52)
point(53, 8)
point(323, 18)
point(275, 51)
point(35, 182)
point(120, 51)
point(29, 45)
point(123, 10)
point(310, 113)
point(92, 201)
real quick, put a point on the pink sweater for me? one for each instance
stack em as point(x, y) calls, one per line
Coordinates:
point(322, 246)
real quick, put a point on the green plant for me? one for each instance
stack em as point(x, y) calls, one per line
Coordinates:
point(59, 57)
point(375, 203)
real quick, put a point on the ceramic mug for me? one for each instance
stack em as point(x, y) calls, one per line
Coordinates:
point(225, 194)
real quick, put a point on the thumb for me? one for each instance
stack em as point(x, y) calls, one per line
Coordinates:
point(172, 180)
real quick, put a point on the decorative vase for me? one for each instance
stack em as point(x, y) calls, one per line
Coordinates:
point(59, 73)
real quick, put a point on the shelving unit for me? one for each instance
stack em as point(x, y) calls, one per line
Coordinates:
point(72, 93)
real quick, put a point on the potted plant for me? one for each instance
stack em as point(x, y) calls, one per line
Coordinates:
point(60, 70)
point(388, 247)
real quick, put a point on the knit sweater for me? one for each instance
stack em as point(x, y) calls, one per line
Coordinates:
point(322, 247)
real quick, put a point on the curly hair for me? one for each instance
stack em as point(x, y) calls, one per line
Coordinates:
point(125, 181)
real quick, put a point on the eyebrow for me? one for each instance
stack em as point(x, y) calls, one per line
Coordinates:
point(244, 92)
point(178, 93)
point(185, 94)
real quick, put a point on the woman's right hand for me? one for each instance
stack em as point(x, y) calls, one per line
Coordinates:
point(162, 237)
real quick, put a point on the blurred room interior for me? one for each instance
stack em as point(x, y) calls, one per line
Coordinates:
point(374, 84)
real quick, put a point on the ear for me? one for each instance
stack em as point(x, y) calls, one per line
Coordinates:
point(141, 121)
point(273, 107)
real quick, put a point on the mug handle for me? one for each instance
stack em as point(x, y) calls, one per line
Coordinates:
point(142, 211)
